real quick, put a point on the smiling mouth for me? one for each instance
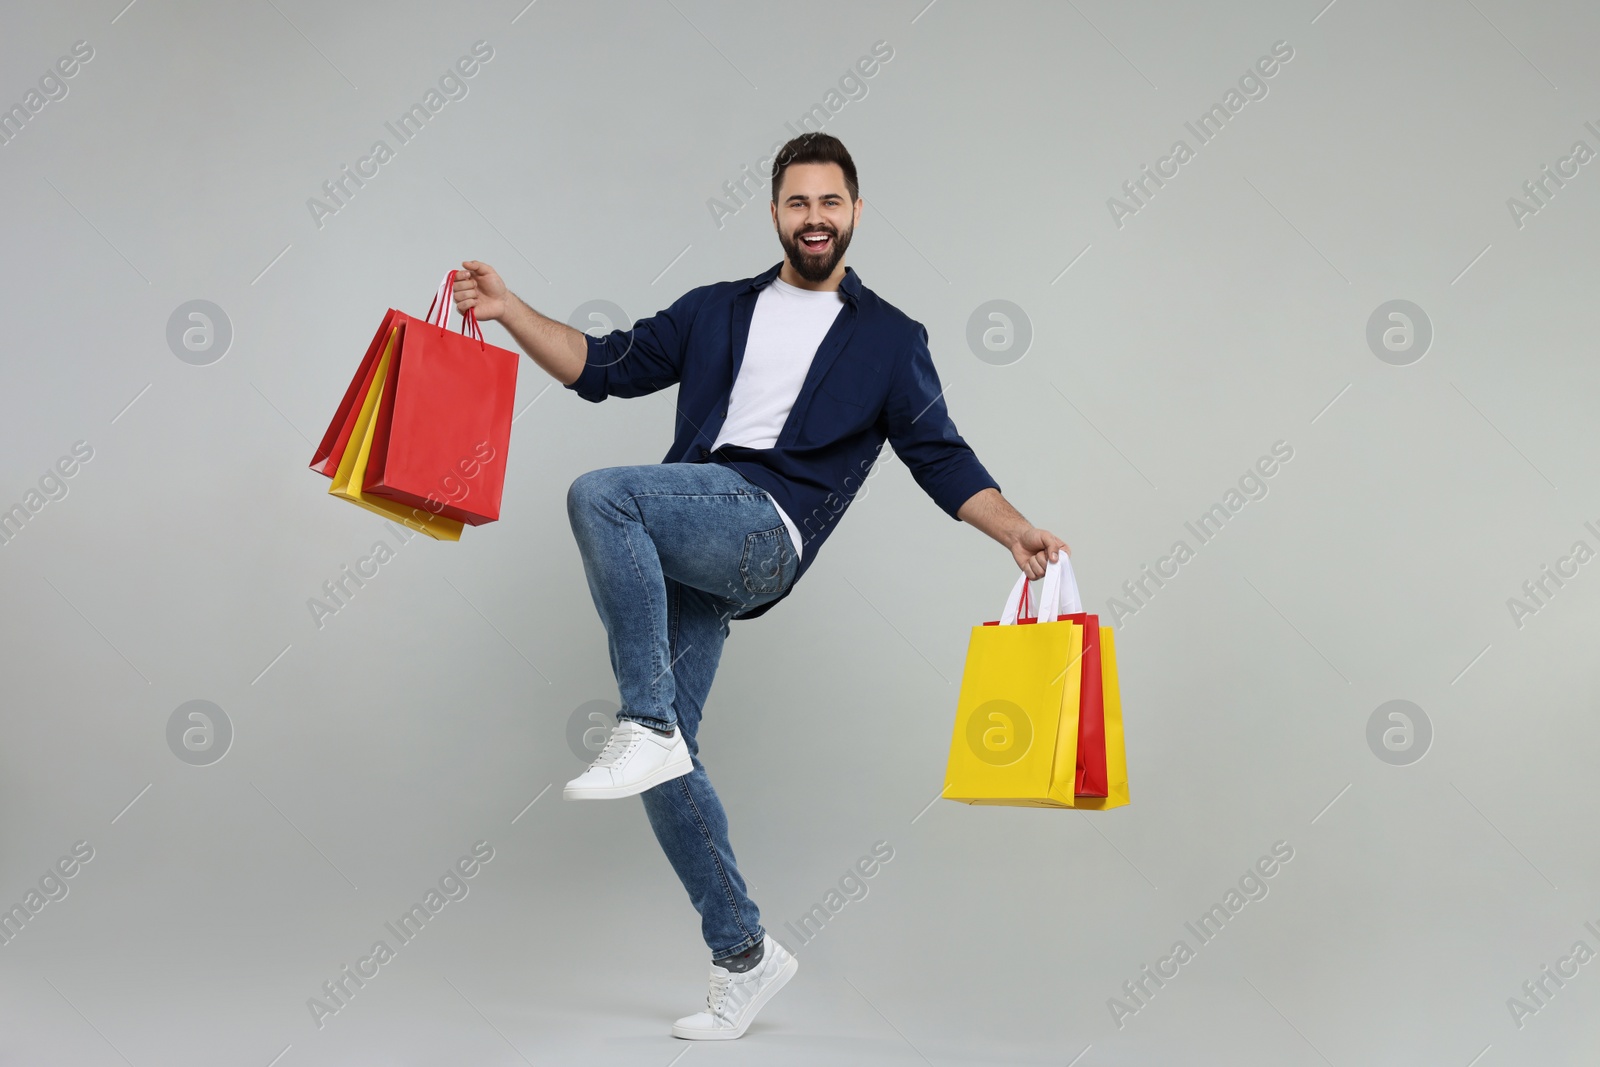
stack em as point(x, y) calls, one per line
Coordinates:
point(816, 242)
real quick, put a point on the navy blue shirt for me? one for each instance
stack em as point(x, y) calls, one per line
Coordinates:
point(871, 380)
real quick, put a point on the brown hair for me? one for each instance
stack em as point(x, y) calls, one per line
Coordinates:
point(814, 147)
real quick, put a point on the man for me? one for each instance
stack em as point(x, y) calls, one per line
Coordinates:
point(789, 383)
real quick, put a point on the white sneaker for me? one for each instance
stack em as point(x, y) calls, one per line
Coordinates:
point(635, 759)
point(734, 999)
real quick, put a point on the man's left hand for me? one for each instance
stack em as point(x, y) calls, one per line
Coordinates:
point(1034, 548)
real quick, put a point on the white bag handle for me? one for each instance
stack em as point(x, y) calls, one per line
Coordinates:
point(1059, 595)
point(443, 301)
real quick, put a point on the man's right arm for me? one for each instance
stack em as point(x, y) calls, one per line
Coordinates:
point(556, 347)
point(626, 362)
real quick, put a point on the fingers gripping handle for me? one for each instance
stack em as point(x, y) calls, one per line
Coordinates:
point(442, 299)
point(1058, 597)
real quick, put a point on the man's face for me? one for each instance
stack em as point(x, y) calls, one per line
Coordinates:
point(814, 201)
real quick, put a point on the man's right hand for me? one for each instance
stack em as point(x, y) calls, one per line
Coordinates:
point(482, 290)
point(557, 348)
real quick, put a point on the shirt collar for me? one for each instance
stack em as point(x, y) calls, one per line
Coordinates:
point(849, 285)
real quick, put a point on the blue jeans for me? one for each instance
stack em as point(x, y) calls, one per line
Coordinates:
point(672, 552)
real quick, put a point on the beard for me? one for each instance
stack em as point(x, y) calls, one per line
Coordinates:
point(815, 266)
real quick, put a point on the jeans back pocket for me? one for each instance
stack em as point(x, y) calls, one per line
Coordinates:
point(766, 554)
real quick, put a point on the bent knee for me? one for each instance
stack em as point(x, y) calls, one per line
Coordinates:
point(581, 492)
point(596, 489)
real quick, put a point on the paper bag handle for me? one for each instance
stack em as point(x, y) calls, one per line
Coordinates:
point(442, 300)
point(1058, 597)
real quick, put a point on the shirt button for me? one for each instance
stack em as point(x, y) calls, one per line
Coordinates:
point(704, 452)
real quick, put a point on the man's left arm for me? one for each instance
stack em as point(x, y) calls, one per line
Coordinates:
point(924, 436)
point(1029, 545)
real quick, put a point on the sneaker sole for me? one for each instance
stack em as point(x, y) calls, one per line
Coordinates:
point(613, 792)
point(790, 966)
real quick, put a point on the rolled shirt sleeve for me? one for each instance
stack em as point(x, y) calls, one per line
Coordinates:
point(641, 360)
point(924, 437)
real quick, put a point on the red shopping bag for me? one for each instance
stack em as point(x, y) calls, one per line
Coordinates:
point(1091, 712)
point(443, 426)
point(1090, 780)
point(331, 450)
point(444, 423)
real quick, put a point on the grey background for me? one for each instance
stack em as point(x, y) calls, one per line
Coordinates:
point(1228, 314)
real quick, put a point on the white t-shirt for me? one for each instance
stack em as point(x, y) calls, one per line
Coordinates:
point(788, 325)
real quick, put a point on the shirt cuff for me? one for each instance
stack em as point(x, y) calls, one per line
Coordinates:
point(591, 381)
point(972, 479)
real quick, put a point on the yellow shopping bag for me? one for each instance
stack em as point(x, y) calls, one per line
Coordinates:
point(353, 465)
point(1016, 730)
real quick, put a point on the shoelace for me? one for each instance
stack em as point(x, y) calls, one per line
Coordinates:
point(623, 740)
point(717, 998)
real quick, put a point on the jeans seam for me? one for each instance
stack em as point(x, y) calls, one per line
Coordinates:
point(639, 573)
point(674, 619)
point(748, 943)
point(702, 496)
point(674, 608)
point(722, 872)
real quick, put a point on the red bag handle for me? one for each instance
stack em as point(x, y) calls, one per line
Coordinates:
point(442, 301)
point(1024, 610)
